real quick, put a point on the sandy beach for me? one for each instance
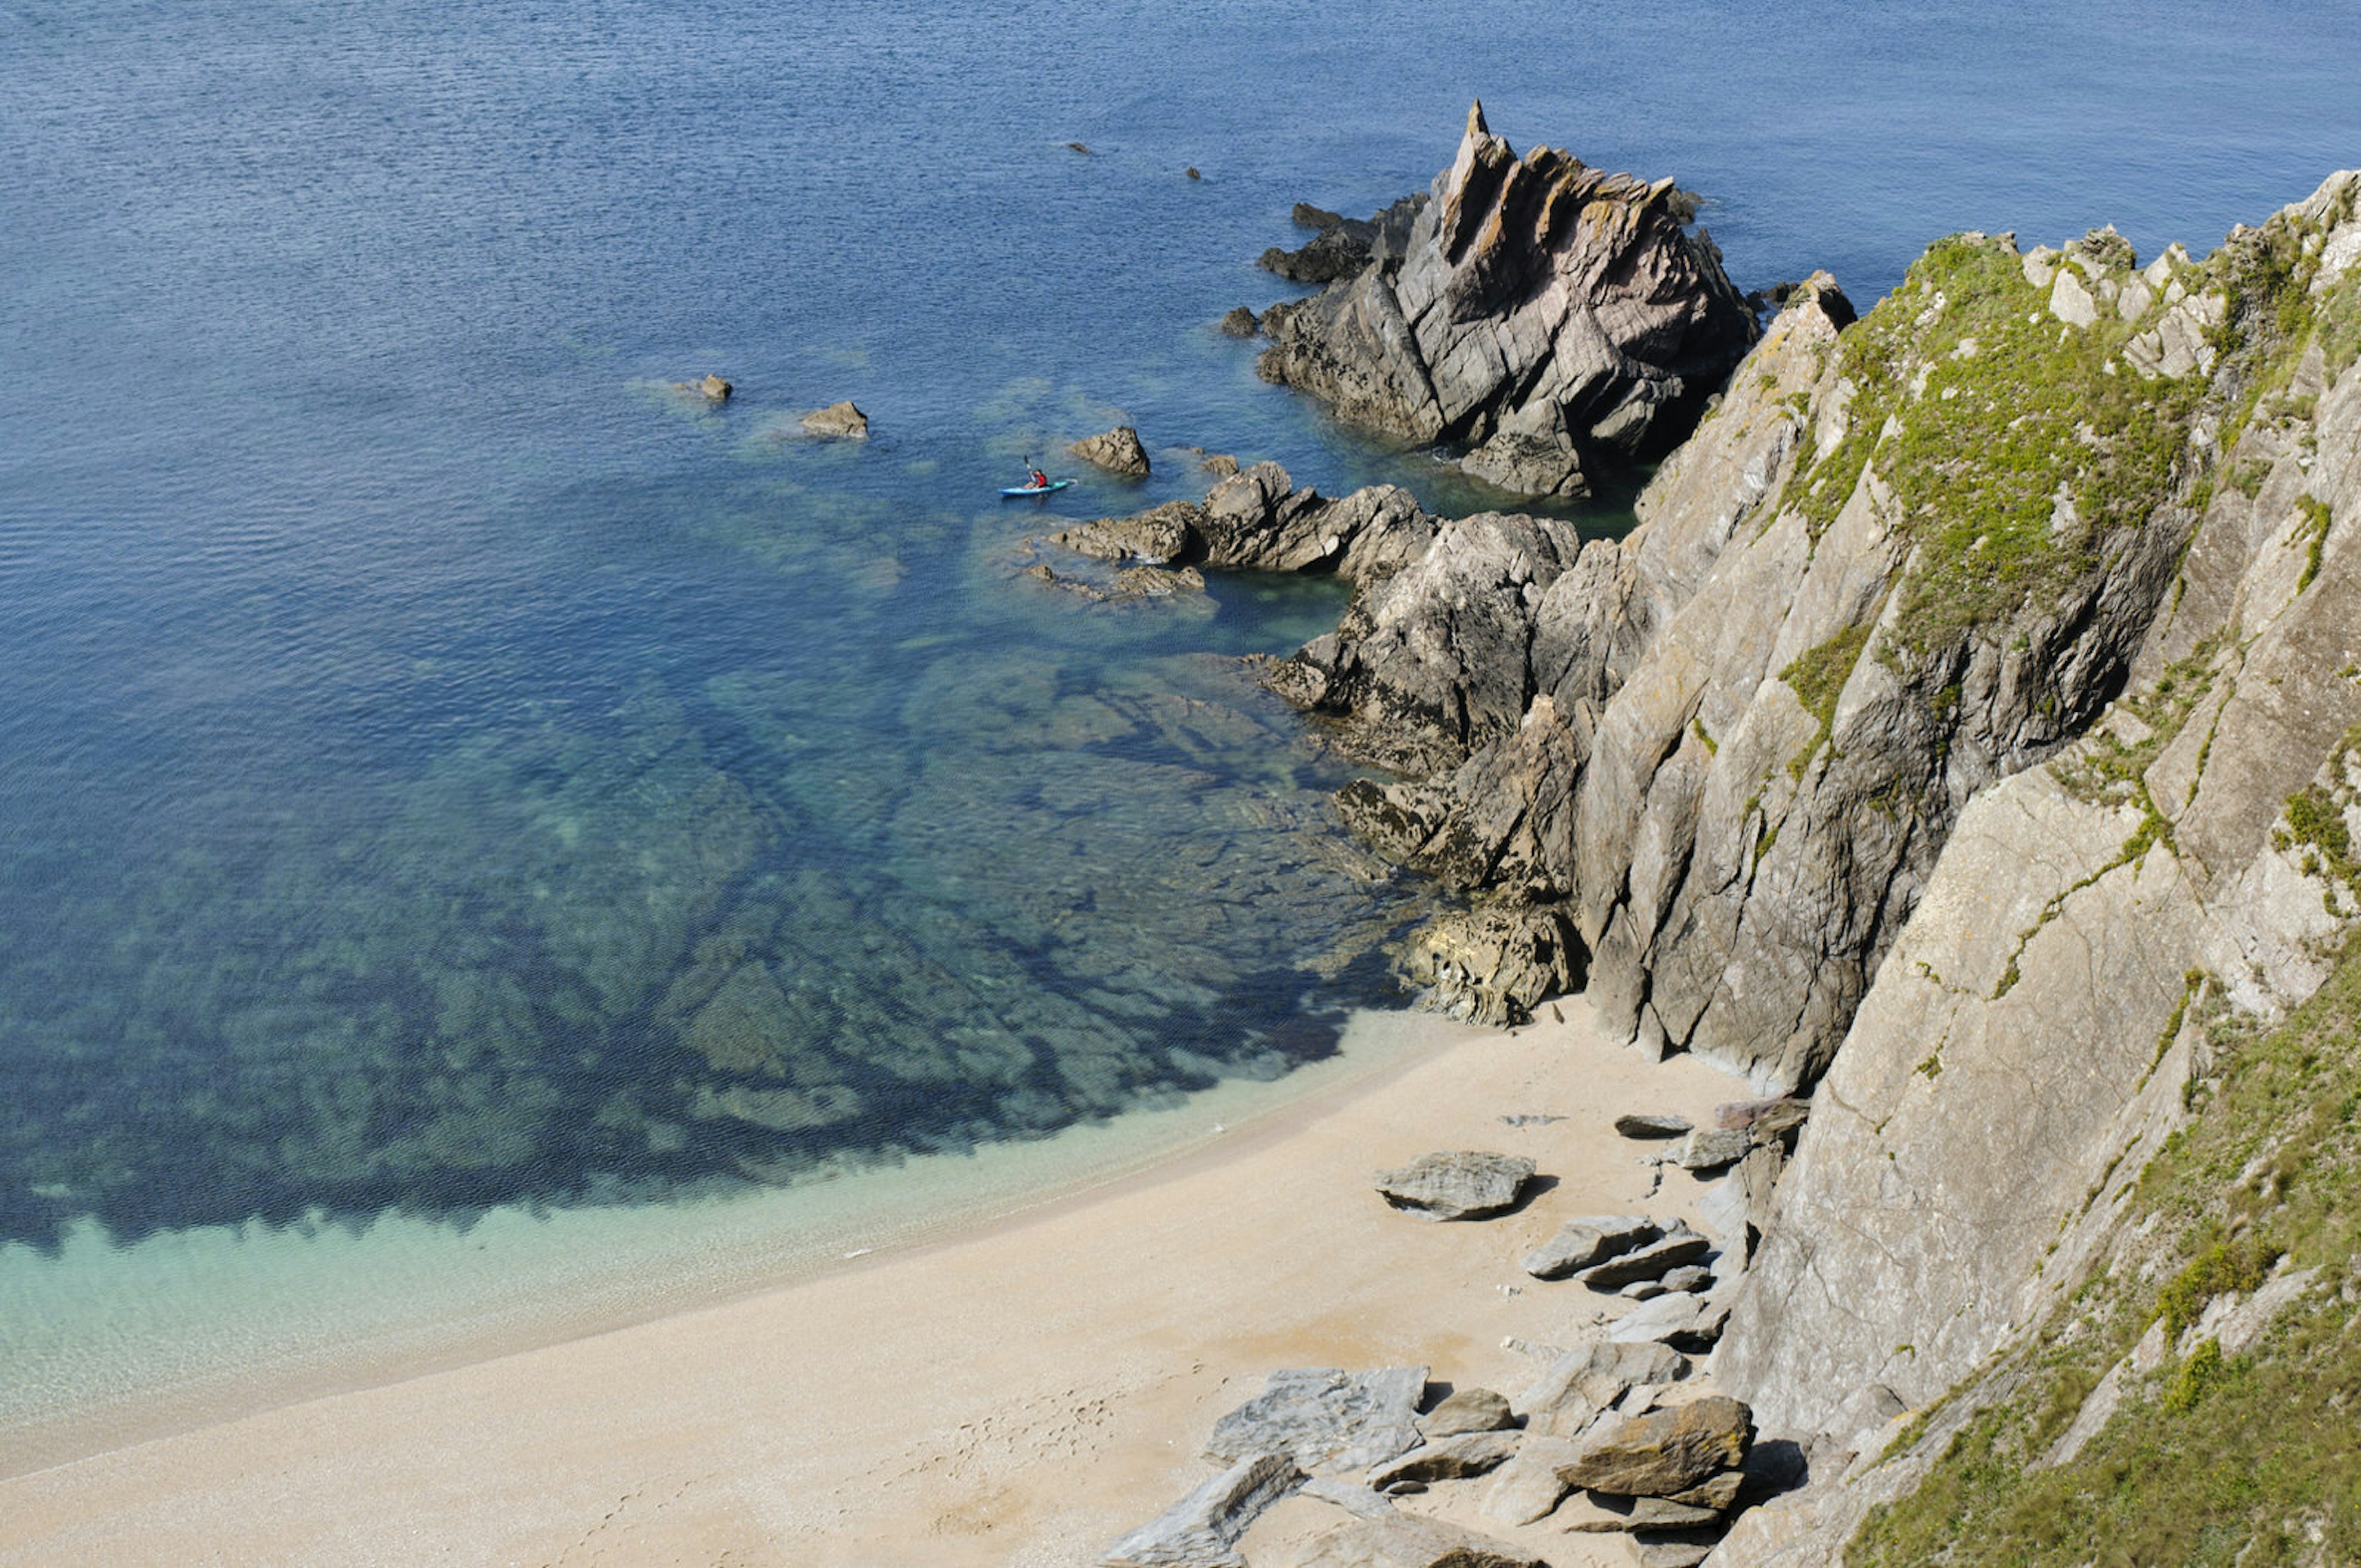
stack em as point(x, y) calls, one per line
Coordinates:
point(1022, 1395)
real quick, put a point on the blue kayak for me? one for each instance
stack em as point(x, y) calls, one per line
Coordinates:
point(1037, 490)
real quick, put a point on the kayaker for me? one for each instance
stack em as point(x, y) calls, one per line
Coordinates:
point(1040, 481)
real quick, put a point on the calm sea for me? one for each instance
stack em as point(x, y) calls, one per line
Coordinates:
point(461, 797)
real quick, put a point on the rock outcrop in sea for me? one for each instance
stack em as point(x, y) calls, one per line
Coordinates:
point(1538, 312)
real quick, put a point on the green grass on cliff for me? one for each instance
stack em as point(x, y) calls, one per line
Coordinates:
point(2251, 1459)
point(2012, 443)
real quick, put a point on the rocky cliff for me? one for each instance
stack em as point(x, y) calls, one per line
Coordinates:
point(1972, 718)
point(1542, 313)
point(2052, 1011)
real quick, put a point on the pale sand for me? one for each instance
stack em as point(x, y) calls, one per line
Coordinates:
point(1021, 1396)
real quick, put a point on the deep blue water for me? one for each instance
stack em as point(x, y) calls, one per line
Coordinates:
point(441, 766)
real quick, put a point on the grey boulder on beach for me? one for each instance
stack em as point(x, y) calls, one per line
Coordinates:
point(1461, 1184)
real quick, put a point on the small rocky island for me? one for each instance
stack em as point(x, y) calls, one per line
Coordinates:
point(1965, 748)
point(1541, 313)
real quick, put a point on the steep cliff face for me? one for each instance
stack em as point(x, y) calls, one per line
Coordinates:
point(1976, 709)
point(2024, 1050)
point(1541, 312)
point(1902, 559)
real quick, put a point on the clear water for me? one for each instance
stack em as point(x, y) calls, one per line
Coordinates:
point(445, 773)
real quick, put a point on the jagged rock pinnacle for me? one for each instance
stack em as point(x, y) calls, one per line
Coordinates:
point(1475, 125)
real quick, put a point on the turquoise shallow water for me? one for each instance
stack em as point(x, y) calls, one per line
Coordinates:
point(445, 774)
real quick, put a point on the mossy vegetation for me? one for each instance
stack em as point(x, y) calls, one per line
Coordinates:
point(2012, 443)
point(1817, 678)
point(2314, 534)
point(2313, 831)
point(2214, 1457)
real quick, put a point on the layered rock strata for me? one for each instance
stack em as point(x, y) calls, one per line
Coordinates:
point(1540, 312)
point(2041, 1017)
point(1880, 578)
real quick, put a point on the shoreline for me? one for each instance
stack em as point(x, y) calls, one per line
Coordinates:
point(914, 1405)
point(728, 1247)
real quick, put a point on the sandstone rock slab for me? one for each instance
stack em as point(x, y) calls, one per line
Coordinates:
point(1652, 1124)
point(1666, 1452)
point(1467, 1411)
point(1405, 1540)
point(1457, 1184)
point(1676, 1319)
point(1202, 1529)
point(1329, 1422)
point(1527, 1487)
point(1650, 1262)
point(1448, 1459)
point(1592, 1239)
point(1710, 1149)
point(1761, 1117)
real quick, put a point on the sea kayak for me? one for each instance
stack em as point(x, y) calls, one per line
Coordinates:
point(1037, 490)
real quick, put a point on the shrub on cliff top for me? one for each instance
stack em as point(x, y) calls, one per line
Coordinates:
point(2012, 443)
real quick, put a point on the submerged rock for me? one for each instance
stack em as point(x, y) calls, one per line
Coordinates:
point(837, 421)
point(1117, 451)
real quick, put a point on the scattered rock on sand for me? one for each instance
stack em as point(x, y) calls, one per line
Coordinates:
point(1202, 1529)
point(1668, 1452)
point(1117, 451)
point(1467, 1411)
point(1592, 1239)
point(1764, 1118)
point(1603, 1511)
point(1330, 1422)
point(1673, 1554)
point(839, 422)
point(1527, 1487)
point(1678, 1245)
point(1651, 1124)
point(1596, 1376)
point(1406, 1540)
point(1678, 1318)
point(1470, 1454)
point(1458, 1184)
point(1710, 1149)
